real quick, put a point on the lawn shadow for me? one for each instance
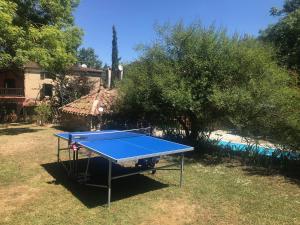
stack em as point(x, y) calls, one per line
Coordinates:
point(93, 196)
point(62, 128)
point(292, 177)
point(17, 130)
point(210, 154)
point(291, 174)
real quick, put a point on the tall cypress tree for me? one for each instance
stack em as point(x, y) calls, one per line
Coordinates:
point(114, 55)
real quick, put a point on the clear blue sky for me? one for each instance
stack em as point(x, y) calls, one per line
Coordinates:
point(134, 20)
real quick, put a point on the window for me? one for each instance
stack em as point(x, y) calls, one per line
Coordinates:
point(47, 91)
point(9, 83)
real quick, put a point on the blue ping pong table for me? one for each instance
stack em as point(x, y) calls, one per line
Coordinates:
point(118, 147)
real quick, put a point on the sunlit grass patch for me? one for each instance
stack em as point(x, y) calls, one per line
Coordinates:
point(35, 190)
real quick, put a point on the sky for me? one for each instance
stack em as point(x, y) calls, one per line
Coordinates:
point(135, 20)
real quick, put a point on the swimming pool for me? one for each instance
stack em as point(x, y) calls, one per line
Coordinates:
point(260, 150)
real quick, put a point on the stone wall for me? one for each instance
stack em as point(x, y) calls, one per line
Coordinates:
point(75, 122)
point(34, 84)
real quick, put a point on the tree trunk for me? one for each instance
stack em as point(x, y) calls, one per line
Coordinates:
point(195, 128)
point(183, 123)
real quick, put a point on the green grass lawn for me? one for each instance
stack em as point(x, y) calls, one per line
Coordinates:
point(35, 190)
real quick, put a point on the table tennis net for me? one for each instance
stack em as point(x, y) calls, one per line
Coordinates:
point(108, 135)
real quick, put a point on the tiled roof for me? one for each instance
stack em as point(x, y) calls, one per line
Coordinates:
point(75, 68)
point(90, 104)
point(84, 70)
point(32, 64)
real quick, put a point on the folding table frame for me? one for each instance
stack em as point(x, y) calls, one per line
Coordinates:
point(72, 167)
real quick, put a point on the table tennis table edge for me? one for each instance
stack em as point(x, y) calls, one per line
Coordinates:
point(134, 157)
point(138, 157)
point(92, 150)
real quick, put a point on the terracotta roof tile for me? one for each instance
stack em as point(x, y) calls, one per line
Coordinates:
point(29, 102)
point(84, 70)
point(32, 64)
point(74, 68)
point(89, 104)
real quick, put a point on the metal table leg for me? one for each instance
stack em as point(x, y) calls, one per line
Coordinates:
point(76, 170)
point(109, 183)
point(58, 149)
point(74, 163)
point(87, 168)
point(181, 168)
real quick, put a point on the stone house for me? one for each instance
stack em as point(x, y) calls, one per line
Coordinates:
point(22, 89)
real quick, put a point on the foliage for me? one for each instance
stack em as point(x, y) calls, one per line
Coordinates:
point(204, 79)
point(71, 88)
point(284, 35)
point(114, 55)
point(40, 31)
point(10, 34)
point(44, 112)
point(289, 6)
point(115, 60)
point(88, 56)
point(105, 66)
point(250, 156)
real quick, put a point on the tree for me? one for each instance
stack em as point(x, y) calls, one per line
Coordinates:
point(88, 56)
point(288, 7)
point(105, 66)
point(114, 55)
point(42, 31)
point(71, 88)
point(284, 35)
point(43, 111)
point(38, 30)
point(204, 79)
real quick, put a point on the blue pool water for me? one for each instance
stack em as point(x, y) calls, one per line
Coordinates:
point(260, 150)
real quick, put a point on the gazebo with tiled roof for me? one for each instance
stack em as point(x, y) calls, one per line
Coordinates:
point(85, 112)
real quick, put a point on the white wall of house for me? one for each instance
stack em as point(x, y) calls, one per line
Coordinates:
point(35, 78)
point(33, 83)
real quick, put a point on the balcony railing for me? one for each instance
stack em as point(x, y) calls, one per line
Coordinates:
point(18, 92)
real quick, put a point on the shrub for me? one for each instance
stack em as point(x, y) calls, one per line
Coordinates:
point(202, 78)
point(44, 113)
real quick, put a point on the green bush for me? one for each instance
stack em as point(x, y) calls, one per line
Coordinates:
point(202, 78)
point(44, 113)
